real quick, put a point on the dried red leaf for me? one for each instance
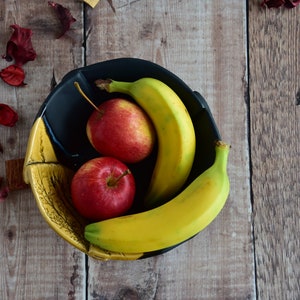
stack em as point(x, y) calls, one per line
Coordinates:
point(272, 3)
point(64, 15)
point(8, 116)
point(291, 3)
point(13, 75)
point(19, 47)
point(3, 190)
point(3, 193)
point(278, 3)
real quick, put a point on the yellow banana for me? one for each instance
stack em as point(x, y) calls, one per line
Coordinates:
point(173, 222)
point(175, 133)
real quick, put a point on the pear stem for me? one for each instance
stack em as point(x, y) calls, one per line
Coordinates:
point(114, 181)
point(76, 84)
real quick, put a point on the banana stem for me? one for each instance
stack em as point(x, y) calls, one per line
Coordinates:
point(111, 86)
point(103, 84)
point(222, 149)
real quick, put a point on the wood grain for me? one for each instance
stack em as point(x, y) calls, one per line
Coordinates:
point(275, 66)
point(204, 43)
point(34, 262)
point(251, 250)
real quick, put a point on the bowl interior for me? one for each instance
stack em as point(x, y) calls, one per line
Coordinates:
point(65, 112)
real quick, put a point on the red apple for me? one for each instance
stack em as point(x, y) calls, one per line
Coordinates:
point(121, 129)
point(102, 188)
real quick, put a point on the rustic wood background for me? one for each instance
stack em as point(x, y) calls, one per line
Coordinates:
point(245, 61)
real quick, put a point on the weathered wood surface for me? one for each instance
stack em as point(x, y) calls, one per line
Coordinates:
point(34, 262)
point(204, 43)
point(274, 53)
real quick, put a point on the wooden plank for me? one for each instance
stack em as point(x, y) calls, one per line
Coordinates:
point(204, 43)
point(34, 262)
point(274, 95)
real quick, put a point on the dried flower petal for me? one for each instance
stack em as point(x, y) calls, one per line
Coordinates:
point(64, 15)
point(291, 3)
point(8, 117)
point(13, 75)
point(3, 193)
point(19, 47)
point(3, 190)
point(272, 3)
point(278, 3)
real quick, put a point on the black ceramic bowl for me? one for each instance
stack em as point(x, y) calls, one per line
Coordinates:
point(58, 143)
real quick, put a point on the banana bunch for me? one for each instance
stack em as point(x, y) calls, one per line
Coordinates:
point(175, 133)
point(173, 222)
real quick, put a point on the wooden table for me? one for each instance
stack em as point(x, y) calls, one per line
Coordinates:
point(245, 61)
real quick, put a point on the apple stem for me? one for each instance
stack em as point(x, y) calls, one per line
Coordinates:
point(86, 97)
point(114, 181)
